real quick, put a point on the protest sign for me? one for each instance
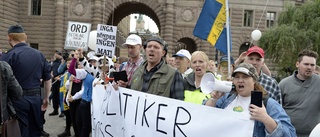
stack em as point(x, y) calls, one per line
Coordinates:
point(129, 113)
point(106, 40)
point(77, 35)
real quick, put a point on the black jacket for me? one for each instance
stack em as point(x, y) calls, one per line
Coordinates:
point(11, 90)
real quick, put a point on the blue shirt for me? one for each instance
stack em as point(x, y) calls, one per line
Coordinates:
point(87, 91)
point(28, 65)
point(87, 80)
point(275, 111)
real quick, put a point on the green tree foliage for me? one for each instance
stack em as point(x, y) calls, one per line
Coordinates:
point(298, 28)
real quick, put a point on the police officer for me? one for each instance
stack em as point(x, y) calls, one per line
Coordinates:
point(29, 66)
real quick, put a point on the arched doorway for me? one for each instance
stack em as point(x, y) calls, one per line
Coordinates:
point(128, 8)
point(244, 47)
point(124, 10)
point(185, 43)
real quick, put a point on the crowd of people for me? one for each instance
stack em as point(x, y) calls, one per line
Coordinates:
point(290, 108)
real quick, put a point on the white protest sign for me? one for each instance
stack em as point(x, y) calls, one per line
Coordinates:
point(106, 40)
point(77, 35)
point(129, 113)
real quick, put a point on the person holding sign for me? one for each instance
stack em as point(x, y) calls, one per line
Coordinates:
point(269, 120)
point(96, 70)
point(134, 46)
point(155, 76)
point(84, 115)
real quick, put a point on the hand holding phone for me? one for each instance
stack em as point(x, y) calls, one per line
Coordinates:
point(256, 98)
point(121, 75)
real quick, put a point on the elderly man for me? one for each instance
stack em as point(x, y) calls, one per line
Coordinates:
point(183, 58)
point(155, 76)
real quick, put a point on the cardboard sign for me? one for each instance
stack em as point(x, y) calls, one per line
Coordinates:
point(130, 113)
point(106, 40)
point(77, 35)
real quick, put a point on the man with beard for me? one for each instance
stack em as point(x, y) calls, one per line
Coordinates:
point(300, 93)
point(134, 46)
point(155, 76)
point(29, 66)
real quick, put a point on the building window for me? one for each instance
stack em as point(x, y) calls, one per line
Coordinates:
point(271, 17)
point(248, 18)
point(34, 45)
point(36, 7)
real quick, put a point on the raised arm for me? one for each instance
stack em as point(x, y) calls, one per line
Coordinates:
point(72, 67)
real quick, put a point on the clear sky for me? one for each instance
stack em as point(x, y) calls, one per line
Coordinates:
point(149, 23)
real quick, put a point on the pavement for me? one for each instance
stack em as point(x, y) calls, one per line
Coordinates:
point(54, 124)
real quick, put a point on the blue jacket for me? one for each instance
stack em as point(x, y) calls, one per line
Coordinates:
point(87, 91)
point(274, 110)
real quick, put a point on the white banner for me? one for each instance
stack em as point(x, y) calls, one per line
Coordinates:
point(129, 113)
point(77, 35)
point(106, 40)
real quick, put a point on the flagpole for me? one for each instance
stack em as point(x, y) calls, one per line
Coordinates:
point(228, 36)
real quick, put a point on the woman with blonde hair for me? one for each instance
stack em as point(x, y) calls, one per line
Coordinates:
point(192, 91)
point(269, 120)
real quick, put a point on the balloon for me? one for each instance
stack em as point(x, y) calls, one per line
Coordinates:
point(92, 40)
point(256, 35)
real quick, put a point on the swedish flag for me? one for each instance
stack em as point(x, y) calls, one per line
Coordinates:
point(211, 24)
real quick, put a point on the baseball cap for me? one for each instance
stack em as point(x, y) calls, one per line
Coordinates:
point(247, 69)
point(183, 53)
point(159, 40)
point(224, 58)
point(15, 29)
point(59, 52)
point(132, 39)
point(256, 49)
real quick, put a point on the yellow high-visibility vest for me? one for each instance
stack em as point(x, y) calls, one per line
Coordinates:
point(195, 96)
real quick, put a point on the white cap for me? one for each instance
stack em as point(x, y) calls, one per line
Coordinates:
point(94, 58)
point(132, 39)
point(183, 53)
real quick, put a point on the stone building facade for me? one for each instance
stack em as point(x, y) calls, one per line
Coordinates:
point(46, 23)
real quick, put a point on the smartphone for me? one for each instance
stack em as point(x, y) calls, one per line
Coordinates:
point(256, 98)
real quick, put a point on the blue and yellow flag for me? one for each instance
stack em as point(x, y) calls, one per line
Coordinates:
point(211, 24)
